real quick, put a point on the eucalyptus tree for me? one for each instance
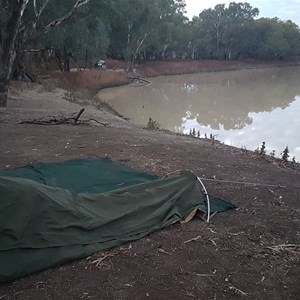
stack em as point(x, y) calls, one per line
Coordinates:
point(214, 23)
point(86, 38)
point(201, 41)
point(292, 35)
point(223, 27)
point(276, 39)
point(174, 36)
point(23, 24)
point(237, 35)
point(139, 25)
point(131, 24)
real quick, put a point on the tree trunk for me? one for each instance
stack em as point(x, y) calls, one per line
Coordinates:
point(9, 52)
point(86, 59)
point(11, 45)
point(3, 93)
point(139, 43)
point(66, 60)
point(3, 85)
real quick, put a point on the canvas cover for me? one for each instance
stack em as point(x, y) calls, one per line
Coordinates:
point(54, 213)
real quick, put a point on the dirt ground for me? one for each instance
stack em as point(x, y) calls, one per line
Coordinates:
point(230, 258)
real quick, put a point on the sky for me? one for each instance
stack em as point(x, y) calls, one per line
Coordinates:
point(283, 9)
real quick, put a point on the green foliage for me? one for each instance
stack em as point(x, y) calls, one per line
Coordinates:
point(80, 38)
point(276, 39)
point(142, 29)
point(85, 35)
point(224, 30)
point(158, 29)
point(5, 13)
point(234, 32)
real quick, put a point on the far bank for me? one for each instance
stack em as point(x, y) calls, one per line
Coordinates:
point(94, 80)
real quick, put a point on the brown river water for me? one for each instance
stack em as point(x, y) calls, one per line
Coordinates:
point(240, 108)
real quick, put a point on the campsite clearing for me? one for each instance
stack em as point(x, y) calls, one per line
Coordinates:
point(250, 253)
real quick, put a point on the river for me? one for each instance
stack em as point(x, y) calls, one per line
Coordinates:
point(240, 108)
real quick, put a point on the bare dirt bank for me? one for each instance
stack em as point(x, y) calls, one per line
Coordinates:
point(231, 260)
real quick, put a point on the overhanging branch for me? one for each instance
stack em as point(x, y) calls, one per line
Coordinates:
point(66, 16)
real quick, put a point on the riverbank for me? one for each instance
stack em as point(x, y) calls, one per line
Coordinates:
point(234, 257)
point(242, 108)
point(151, 69)
point(115, 75)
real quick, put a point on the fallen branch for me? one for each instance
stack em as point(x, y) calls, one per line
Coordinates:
point(294, 248)
point(140, 79)
point(205, 275)
point(163, 251)
point(193, 239)
point(237, 291)
point(211, 230)
point(213, 242)
point(59, 120)
point(98, 261)
point(78, 115)
point(92, 119)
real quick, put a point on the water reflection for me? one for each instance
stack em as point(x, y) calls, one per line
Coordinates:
point(230, 104)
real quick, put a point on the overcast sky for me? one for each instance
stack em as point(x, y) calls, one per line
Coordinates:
point(283, 9)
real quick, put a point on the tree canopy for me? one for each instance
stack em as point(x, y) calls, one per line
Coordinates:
point(157, 29)
point(140, 30)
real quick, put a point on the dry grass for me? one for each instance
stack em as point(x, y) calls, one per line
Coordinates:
point(115, 75)
point(115, 64)
point(92, 80)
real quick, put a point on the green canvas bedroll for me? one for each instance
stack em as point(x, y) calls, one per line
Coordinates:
point(54, 213)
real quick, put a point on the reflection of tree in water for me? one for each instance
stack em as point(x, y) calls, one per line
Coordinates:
point(219, 101)
point(214, 99)
point(239, 125)
point(228, 123)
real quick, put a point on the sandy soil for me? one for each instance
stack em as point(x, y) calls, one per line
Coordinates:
point(231, 259)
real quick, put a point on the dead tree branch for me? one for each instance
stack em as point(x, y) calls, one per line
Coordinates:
point(59, 120)
point(140, 79)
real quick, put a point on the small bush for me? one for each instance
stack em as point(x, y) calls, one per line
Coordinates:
point(262, 150)
point(285, 154)
point(153, 124)
point(272, 153)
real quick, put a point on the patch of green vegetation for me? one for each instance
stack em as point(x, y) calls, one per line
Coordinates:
point(152, 124)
